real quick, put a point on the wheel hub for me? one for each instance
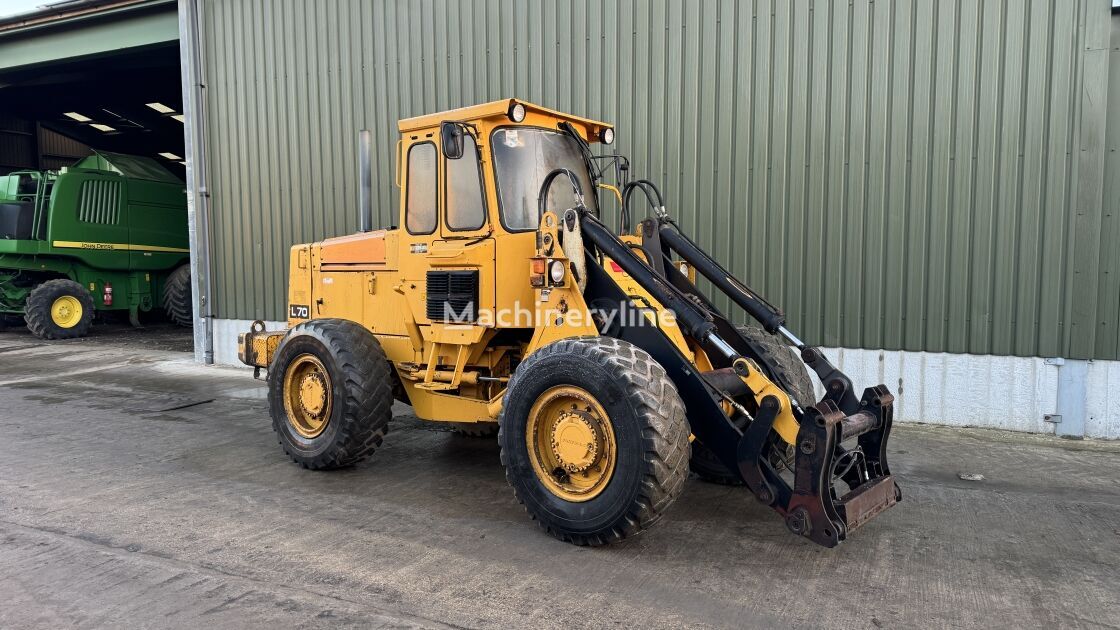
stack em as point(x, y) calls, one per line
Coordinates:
point(66, 311)
point(575, 442)
point(307, 396)
point(571, 443)
point(313, 394)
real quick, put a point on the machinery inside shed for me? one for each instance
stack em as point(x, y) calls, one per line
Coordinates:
point(92, 166)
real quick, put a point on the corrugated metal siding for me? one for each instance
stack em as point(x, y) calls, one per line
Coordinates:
point(22, 149)
point(902, 175)
point(17, 144)
point(57, 150)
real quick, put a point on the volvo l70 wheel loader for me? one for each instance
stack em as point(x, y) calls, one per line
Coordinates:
point(505, 302)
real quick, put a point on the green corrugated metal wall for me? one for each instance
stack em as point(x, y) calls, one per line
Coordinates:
point(916, 175)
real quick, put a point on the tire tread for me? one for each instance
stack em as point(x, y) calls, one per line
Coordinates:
point(664, 435)
point(367, 401)
point(177, 299)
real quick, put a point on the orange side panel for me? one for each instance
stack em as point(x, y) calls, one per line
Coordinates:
point(362, 248)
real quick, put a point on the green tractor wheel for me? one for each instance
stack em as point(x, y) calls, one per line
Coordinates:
point(59, 309)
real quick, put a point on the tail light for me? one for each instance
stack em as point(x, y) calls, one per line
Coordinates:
point(107, 297)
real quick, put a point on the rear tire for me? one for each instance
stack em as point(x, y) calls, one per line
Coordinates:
point(59, 309)
point(330, 394)
point(636, 460)
point(177, 298)
point(787, 361)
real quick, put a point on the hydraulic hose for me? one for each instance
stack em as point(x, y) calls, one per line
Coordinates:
point(546, 185)
point(646, 186)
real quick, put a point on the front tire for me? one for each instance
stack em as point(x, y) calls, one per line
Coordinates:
point(594, 439)
point(59, 309)
point(330, 394)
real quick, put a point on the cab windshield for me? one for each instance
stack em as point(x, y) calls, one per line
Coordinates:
point(523, 157)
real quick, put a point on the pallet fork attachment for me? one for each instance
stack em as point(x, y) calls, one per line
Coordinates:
point(812, 507)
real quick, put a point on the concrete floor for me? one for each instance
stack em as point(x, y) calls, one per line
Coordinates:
point(139, 489)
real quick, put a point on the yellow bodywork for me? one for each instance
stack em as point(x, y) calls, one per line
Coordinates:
point(457, 372)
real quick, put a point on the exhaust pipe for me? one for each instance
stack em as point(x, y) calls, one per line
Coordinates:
point(365, 181)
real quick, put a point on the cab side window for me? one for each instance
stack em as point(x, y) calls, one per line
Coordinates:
point(465, 206)
point(421, 188)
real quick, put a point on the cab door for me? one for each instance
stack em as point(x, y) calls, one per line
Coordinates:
point(420, 219)
point(447, 250)
point(464, 256)
point(464, 207)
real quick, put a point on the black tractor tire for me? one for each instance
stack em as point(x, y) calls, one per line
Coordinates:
point(475, 429)
point(177, 299)
point(787, 360)
point(360, 393)
point(650, 430)
point(38, 310)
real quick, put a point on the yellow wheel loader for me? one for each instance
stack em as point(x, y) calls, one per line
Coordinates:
point(504, 301)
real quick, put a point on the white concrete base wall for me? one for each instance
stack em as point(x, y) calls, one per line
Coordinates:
point(1013, 393)
point(225, 338)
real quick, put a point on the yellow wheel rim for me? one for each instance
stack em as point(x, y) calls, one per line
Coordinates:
point(307, 395)
point(571, 443)
point(66, 311)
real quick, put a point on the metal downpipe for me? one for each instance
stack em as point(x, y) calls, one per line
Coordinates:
point(198, 193)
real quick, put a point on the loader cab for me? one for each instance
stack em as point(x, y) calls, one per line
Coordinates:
point(479, 169)
point(469, 182)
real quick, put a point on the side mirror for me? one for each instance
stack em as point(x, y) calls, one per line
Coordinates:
point(451, 138)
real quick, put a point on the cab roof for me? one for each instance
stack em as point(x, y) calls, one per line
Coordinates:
point(491, 110)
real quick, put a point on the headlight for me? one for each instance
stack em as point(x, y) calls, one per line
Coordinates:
point(607, 136)
point(556, 272)
point(517, 112)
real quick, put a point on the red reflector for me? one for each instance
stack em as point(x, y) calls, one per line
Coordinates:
point(615, 268)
